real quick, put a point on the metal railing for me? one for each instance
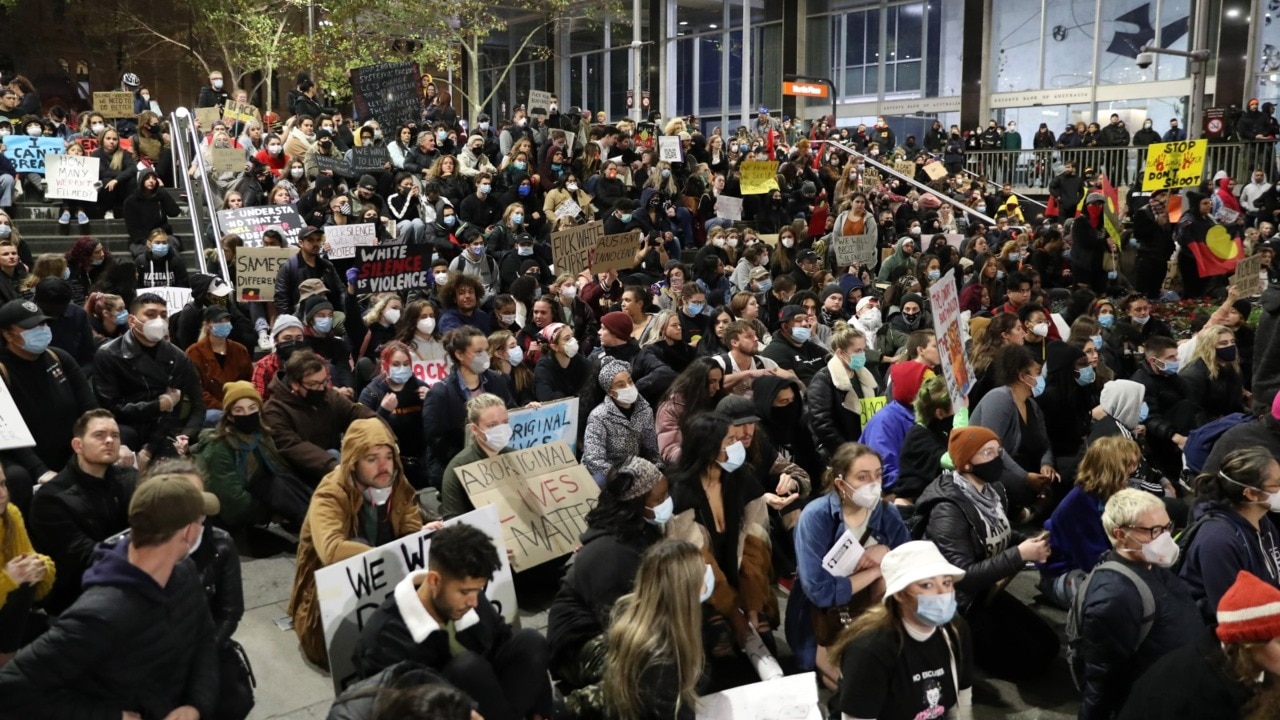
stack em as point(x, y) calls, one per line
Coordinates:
point(186, 138)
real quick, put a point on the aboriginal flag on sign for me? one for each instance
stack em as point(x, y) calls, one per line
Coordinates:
point(1215, 251)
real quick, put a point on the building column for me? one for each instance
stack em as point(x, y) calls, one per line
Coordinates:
point(794, 26)
point(975, 63)
point(1234, 77)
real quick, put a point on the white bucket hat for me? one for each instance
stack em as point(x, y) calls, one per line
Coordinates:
point(912, 562)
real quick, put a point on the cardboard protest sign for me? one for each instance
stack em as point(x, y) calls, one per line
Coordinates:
point(250, 222)
point(553, 422)
point(792, 697)
point(27, 153)
point(571, 248)
point(946, 326)
point(669, 149)
point(341, 240)
point(615, 252)
point(113, 104)
point(935, 170)
point(566, 136)
point(175, 298)
point(870, 406)
point(337, 165)
point(256, 269)
point(14, 432)
point(1248, 276)
point(206, 118)
point(226, 160)
point(351, 590)
point(1174, 165)
point(539, 103)
point(388, 92)
point(851, 249)
point(237, 112)
point(729, 208)
point(369, 158)
point(392, 268)
point(542, 494)
point(71, 177)
point(759, 177)
point(905, 167)
point(568, 209)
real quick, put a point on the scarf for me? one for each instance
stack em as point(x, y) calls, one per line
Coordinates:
point(1228, 200)
point(844, 382)
point(995, 522)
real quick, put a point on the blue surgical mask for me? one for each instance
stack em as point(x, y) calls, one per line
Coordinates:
point(66, 273)
point(800, 334)
point(1143, 413)
point(524, 190)
point(450, 220)
point(400, 374)
point(160, 249)
point(765, 285)
point(934, 275)
point(122, 317)
point(735, 455)
point(520, 164)
point(476, 250)
point(936, 610)
point(662, 513)
point(666, 174)
point(36, 340)
point(222, 330)
point(1085, 376)
point(1106, 321)
point(857, 361)
point(524, 250)
point(517, 218)
point(1038, 389)
point(708, 584)
point(626, 218)
point(485, 189)
point(695, 309)
point(323, 324)
point(1171, 367)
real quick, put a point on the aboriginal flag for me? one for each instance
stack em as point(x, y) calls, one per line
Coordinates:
point(1215, 251)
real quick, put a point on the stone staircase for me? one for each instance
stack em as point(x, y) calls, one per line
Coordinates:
point(37, 221)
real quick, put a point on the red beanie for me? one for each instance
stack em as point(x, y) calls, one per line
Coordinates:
point(907, 377)
point(618, 324)
point(1249, 612)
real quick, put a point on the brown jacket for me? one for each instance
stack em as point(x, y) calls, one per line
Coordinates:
point(214, 374)
point(304, 433)
point(333, 519)
point(755, 560)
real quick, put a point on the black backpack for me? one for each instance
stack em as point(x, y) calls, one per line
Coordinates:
point(1075, 616)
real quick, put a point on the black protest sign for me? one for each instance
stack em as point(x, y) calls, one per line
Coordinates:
point(369, 158)
point(338, 166)
point(392, 268)
point(388, 92)
point(250, 222)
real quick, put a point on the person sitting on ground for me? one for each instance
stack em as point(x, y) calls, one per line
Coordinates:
point(26, 577)
point(396, 395)
point(885, 431)
point(925, 445)
point(489, 427)
point(441, 618)
point(621, 426)
point(218, 360)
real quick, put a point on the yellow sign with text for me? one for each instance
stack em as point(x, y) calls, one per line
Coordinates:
point(759, 177)
point(1174, 165)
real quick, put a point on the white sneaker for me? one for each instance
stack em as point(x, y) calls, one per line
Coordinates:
point(109, 216)
point(264, 341)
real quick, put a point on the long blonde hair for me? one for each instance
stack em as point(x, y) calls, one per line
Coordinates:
point(47, 265)
point(1206, 349)
point(659, 621)
point(380, 303)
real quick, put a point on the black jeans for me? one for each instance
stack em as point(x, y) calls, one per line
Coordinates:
point(1010, 641)
point(514, 685)
point(13, 617)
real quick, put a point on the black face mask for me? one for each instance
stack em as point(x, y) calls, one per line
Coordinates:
point(315, 398)
point(247, 424)
point(989, 472)
point(942, 426)
point(286, 349)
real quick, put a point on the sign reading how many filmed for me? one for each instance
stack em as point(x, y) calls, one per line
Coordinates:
point(392, 268)
point(72, 177)
point(388, 92)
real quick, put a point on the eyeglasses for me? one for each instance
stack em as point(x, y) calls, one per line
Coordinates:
point(1154, 531)
point(987, 454)
point(317, 386)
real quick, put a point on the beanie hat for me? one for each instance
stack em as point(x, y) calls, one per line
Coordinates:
point(238, 390)
point(1249, 612)
point(284, 322)
point(618, 324)
point(906, 379)
point(832, 289)
point(314, 305)
point(965, 442)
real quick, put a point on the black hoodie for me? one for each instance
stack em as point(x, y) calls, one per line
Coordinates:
point(1266, 352)
point(145, 211)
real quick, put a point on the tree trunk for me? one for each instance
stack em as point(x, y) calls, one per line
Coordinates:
point(474, 101)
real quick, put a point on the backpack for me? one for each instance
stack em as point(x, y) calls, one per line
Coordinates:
point(1075, 616)
point(1200, 441)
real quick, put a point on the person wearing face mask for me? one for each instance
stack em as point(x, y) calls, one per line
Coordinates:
point(1124, 409)
point(146, 210)
point(369, 331)
point(364, 501)
point(630, 518)
point(272, 155)
point(213, 94)
point(1066, 402)
point(620, 426)
point(286, 336)
point(791, 347)
point(445, 411)
point(1133, 580)
point(324, 147)
point(162, 264)
point(886, 430)
point(561, 365)
point(318, 319)
point(397, 396)
point(921, 457)
point(1212, 376)
point(218, 360)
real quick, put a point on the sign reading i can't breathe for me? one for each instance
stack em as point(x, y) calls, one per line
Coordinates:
point(27, 153)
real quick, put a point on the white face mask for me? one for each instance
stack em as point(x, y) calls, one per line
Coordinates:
point(628, 395)
point(788, 242)
point(296, 173)
point(275, 149)
point(377, 496)
point(426, 326)
point(871, 318)
point(1041, 329)
point(867, 496)
point(441, 278)
point(498, 436)
point(1163, 551)
point(97, 128)
point(571, 347)
point(155, 330)
point(569, 291)
point(391, 315)
point(662, 512)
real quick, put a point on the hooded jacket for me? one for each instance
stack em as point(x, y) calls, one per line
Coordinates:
point(127, 644)
point(144, 212)
point(304, 433)
point(899, 263)
point(1122, 400)
point(184, 326)
point(1193, 682)
point(1224, 544)
point(885, 432)
point(332, 522)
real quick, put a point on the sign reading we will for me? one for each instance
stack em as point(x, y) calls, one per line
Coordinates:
point(542, 494)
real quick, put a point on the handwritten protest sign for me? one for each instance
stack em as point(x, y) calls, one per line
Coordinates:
point(539, 102)
point(175, 298)
point(1174, 165)
point(238, 112)
point(14, 432)
point(793, 697)
point(851, 249)
point(387, 91)
point(553, 422)
point(256, 269)
point(759, 177)
point(27, 153)
point(1248, 276)
point(571, 248)
point(336, 165)
point(669, 149)
point(206, 118)
point(615, 252)
point(226, 160)
point(430, 371)
point(341, 240)
point(351, 590)
point(568, 209)
point(870, 406)
point(946, 326)
point(542, 494)
point(113, 104)
point(392, 268)
point(250, 222)
point(935, 170)
point(905, 167)
point(369, 158)
point(729, 208)
point(71, 177)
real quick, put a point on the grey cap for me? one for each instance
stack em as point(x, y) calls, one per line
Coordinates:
point(1095, 197)
point(739, 409)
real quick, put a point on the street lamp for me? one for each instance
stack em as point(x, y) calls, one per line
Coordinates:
point(1197, 60)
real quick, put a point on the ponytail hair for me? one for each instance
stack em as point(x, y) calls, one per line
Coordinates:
point(1241, 470)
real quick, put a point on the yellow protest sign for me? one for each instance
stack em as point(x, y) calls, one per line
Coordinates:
point(1174, 165)
point(759, 177)
point(871, 406)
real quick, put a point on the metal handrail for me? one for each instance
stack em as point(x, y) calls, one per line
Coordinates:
point(988, 181)
point(178, 146)
point(179, 116)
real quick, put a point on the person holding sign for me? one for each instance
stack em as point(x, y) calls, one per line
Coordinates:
point(441, 618)
point(838, 390)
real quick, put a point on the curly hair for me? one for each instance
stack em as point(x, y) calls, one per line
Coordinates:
point(449, 291)
point(462, 552)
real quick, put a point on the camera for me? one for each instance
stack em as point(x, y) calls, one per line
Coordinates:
point(1146, 60)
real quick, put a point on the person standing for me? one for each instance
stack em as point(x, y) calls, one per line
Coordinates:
point(1153, 232)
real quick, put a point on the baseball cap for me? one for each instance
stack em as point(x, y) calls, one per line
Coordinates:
point(807, 256)
point(739, 409)
point(23, 313)
point(214, 313)
point(791, 312)
point(164, 504)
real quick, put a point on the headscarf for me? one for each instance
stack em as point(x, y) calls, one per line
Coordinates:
point(1228, 200)
point(610, 370)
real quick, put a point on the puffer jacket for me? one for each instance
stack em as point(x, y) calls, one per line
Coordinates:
point(835, 405)
point(229, 462)
point(360, 700)
point(334, 519)
point(613, 436)
point(304, 433)
point(14, 542)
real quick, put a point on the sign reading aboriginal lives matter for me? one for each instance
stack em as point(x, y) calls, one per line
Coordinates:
point(543, 496)
point(392, 268)
point(387, 91)
point(553, 422)
point(571, 248)
point(72, 177)
point(250, 222)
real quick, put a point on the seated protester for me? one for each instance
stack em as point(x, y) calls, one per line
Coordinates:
point(397, 397)
point(108, 316)
point(440, 618)
point(561, 368)
point(444, 412)
point(791, 347)
point(147, 210)
point(964, 513)
point(521, 260)
point(779, 404)
point(1001, 330)
point(574, 312)
point(1008, 411)
point(460, 299)
point(308, 264)
point(209, 291)
point(620, 426)
point(1226, 672)
point(417, 329)
point(160, 264)
point(49, 391)
point(922, 346)
point(1124, 411)
point(308, 417)
point(12, 272)
point(654, 646)
point(117, 171)
point(1132, 330)
point(26, 577)
point(140, 638)
point(836, 392)
point(320, 337)
point(245, 470)
point(1036, 322)
point(1171, 417)
point(921, 458)
point(720, 508)
point(1231, 529)
point(400, 691)
point(766, 455)
point(85, 504)
point(742, 362)
point(696, 390)
point(913, 316)
point(148, 384)
point(1212, 379)
point(663, 359)
point(287, 335)
point(367, 332)
point(713, 343)
point(365, 501)
point(218, 360)
point(488, 426)
point(1066, 403)
point(912, 656)
point(476, 264)
point(835, 592)
point(1113, 648)
point(692, 305)
point(507, 359)
point(633, 509)
point(1263, 432)
point(1076, 536)
point(887, 429)
point(615, 340)
point(69, 322)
